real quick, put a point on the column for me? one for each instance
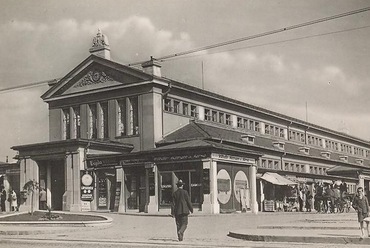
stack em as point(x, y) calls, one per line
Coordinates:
point(361, 181)
point(210, 203)
point(71, 197)
point(122, 200)
point(253, 187)
point(29, 170)
point(152, 177)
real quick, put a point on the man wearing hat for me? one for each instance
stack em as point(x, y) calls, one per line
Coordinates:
point(180, 208)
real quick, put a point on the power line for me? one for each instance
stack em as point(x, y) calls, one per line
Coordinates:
point(24, 86)
point(305, 24)
point(271, 43)
point(168, 57)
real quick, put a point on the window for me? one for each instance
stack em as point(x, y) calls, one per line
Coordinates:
point(176, 106)
point(121, 117)
point(168, 105)
point(214, 116)
point(92, 121)
point(185, 108)
point(66, 124)
point(103, 120)
point(193, 111)
point(76, 122)
point(133, 116)
point(228, 120)
point(207, 114)
point(221, 118)
point(240, 123)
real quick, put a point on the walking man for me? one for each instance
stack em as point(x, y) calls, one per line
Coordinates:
point(180, 208)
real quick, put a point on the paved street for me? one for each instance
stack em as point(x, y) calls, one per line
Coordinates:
point(203, 231)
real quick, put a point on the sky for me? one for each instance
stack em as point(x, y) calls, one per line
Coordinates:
point(319, 73)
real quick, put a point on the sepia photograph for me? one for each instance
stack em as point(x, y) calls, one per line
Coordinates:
point(184, 123)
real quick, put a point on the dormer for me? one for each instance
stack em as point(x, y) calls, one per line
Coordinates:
point(279, 145)
point(325, 154)
point(343, 158)
point(304, 150)
point(359, 161)
point(248, 138)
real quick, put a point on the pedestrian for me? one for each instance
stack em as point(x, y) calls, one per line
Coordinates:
point(361, 205)
point(3, 198)
point(343, 189)
point(43, 205)
point(180, 208)
point(308, 201)
point(13, 201)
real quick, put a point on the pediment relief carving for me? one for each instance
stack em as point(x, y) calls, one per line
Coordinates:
point(93, 77)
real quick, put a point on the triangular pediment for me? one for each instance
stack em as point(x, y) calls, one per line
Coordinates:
point(95, 74)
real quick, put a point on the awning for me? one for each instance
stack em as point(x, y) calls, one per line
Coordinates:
point(276, 179)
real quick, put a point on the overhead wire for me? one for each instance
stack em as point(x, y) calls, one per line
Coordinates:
point(260, 35)
point(269, 43)
point(168, 57)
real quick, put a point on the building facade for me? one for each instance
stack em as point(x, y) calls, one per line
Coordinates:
point(121, 137)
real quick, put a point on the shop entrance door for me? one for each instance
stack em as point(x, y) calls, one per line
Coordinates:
point(57, 185)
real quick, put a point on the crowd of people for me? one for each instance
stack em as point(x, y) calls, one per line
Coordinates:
point(331, 198)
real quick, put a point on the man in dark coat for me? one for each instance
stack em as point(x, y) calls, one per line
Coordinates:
point(180, 208)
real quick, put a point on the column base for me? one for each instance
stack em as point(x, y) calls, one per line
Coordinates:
point(152, 207)
point(208, 207)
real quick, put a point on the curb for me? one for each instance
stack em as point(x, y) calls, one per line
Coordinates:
point(299, 239)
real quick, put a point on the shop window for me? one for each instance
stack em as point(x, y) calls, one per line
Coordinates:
point(165, 195)
point(195, 187)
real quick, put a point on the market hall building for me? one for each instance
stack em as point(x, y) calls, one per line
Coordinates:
point(121, 137)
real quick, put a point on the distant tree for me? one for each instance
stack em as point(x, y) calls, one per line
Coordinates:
point(30, 187)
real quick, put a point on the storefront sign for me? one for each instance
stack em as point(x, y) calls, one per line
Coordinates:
point(102, 163)
point(231, 158)
point(87, 186)
point(180, 157)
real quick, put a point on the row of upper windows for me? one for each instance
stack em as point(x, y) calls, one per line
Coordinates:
point(290, 166)
point(98, 120)
point(191, 110)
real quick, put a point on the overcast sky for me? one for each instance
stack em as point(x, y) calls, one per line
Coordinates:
point(324, 65)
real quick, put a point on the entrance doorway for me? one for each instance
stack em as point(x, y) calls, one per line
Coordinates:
point(57, 185)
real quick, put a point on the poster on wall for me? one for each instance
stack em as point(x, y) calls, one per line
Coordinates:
point(241, 190)
point(223, 186)
point(87, 186)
